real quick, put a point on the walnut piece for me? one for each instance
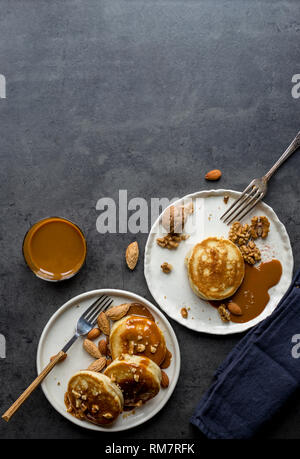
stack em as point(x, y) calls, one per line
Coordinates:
point(260, 227)
point(239, 234)
point(224, 314)
point(251, 253)
point(170, 241)
point(166, 267)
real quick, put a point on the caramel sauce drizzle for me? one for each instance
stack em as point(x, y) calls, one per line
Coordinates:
point(253, 296)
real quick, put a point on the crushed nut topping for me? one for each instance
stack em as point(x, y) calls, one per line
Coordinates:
point(153, 349)
point(224, 314)
point(136, 377)
point(251, 253)
point(166, 267)
point(260, 227)
point(140, 347)
point(243, 236)
point(107, 415)
point(94, 409)
point(131, 347)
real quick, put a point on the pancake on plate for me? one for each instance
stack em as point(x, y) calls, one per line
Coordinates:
point(136, 335)
point(94, 397)
point(138, 378)
point(215, 268)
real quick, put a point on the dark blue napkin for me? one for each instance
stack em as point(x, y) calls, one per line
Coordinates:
point(257, 377)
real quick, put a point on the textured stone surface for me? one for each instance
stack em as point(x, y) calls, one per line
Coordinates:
point(147, 96)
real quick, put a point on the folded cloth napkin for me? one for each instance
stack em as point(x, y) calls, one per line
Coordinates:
point(257, 377)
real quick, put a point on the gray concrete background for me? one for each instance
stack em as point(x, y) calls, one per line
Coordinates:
point(143, 95)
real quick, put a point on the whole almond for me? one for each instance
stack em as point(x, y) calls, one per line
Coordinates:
point(164, 379)
point(132, 255)
point(98, 365)
point(93, 334)
point(117, 312)
point(91, 348)
point(103, 323)
point(102, 346)
point(215, 174)
point(234, 309)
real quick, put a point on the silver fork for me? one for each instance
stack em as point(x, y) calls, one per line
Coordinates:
point(85, 324)
point(256, 189)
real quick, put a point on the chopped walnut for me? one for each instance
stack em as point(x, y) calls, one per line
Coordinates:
point(153, 349)
point(136, 377)
point(224, 314)
point(170, 241)
point(251, 253)
point(239, 234)
point(107, 415)
point(260, 227)
point(166, 267)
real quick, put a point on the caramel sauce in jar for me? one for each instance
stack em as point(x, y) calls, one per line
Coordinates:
point(54, 249)
point(252, 296)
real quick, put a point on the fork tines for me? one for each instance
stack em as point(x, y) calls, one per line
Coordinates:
point(244, 204)
point(101, 304)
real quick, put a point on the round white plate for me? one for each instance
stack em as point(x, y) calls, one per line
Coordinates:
point(172, 291)
point(60, 329)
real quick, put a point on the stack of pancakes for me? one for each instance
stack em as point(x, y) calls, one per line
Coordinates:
point(215, 268)
point(137, 347)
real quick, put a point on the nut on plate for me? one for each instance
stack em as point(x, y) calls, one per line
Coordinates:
point(164, 379)
point(98, 364)
point(91, 348)
point(94, 334)
point(117, 312)
point(224, 314)
point(214, 174)
point(132, 255)
point(102, 346)
point(184, 313)
point(234, 308)
point(166, 267)
point(103, 323)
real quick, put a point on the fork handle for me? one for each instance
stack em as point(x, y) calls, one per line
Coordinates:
point(288, 152)
point(16, 405)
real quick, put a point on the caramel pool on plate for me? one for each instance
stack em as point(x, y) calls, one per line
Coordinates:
point(54, 249)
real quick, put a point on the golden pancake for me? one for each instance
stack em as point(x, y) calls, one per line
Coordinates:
point(94, 397)
point(138, 378)
point(215, 268)
point(139, 336)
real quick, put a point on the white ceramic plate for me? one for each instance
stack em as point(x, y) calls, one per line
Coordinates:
point(60, 329)
point(172, 291)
